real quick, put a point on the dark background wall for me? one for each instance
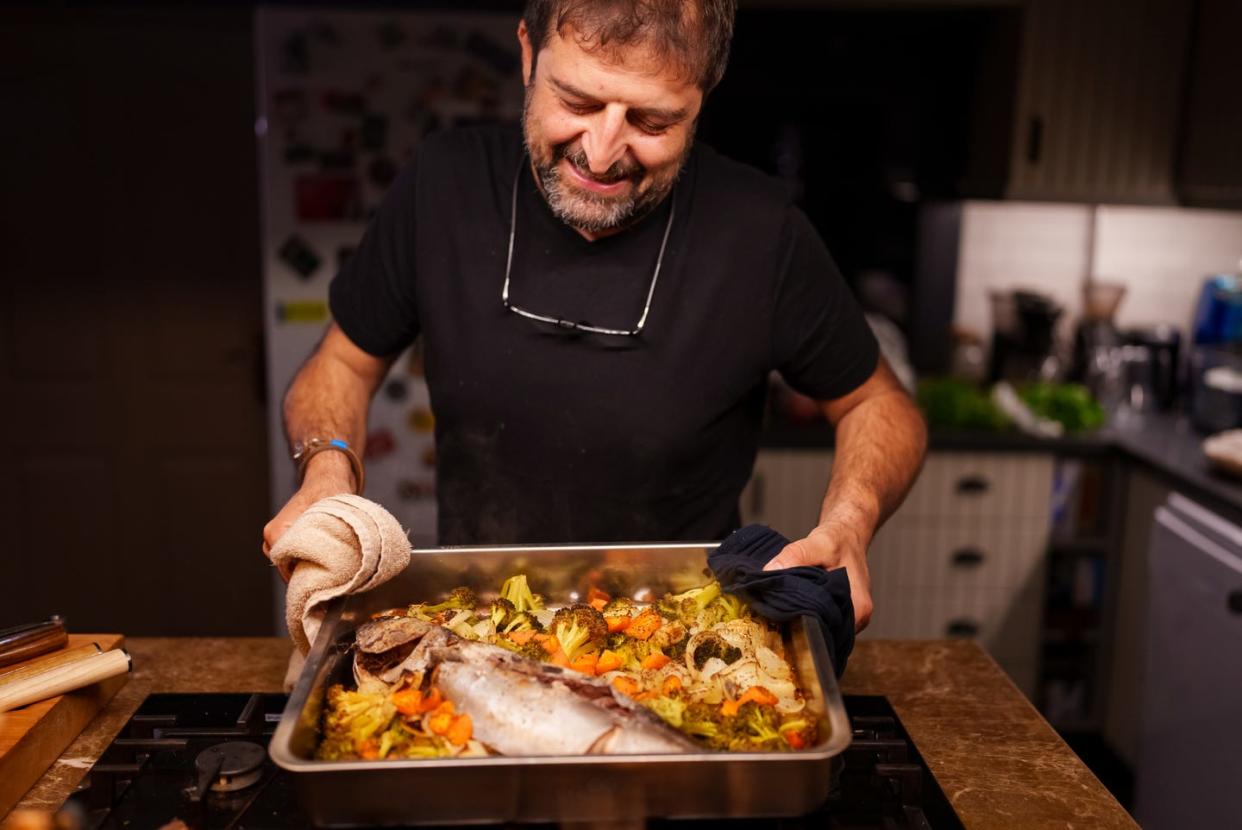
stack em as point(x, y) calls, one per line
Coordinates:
point(130, 334)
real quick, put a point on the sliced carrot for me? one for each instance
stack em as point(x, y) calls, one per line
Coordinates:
point(597, 599)
point(625, 685)
point(729, 707)
point(644, 625)
point(656, 661)
point(368, 749)
point(671, 684)
point(795, 738)
point(608, 661)
point(759, 695)
point(442, 718)
point(559, 658)
point(650, 694)
point(551, 645)
point(616, 624)
point(407, 701)
point(585, 662)
point(461, 730)
point(432, 700)
point(523, 636)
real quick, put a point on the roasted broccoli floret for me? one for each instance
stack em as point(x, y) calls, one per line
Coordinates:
point(501, 612)
point(351, 719)
point(687, 605)
point(459, 599)
point(521, 621)
point(670, 709)
point(621, 607)
point(518, 592)
point(703, 721)
point(579, 628)
point(761, 722)
point(633, 652)
point(724, 608)
point(713, 645)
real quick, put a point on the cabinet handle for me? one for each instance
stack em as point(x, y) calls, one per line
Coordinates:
point(962, 628)
point(1235, 602)
point(967, 558)
point(1035, 139)
point(756, 495)
point(973, 485)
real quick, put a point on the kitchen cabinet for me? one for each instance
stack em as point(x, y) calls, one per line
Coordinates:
point(1098, 104)
point(962, 557)
point(1210, 167)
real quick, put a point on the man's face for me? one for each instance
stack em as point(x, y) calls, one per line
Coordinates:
point(607, 134)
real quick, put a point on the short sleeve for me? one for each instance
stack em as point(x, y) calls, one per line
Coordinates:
point(373, 298)
point(821, 343)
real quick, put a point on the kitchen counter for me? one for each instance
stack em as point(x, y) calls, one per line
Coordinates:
point(997, 760)
point(1164, 443)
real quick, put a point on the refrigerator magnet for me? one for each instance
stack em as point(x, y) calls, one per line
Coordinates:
point(297, 253)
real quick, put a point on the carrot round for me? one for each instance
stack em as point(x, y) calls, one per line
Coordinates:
point(625, 685)
point(608, 661)
point(408, 701)
point(460, 731)
point(619, 623)
point(655, 661)
point(671, 684)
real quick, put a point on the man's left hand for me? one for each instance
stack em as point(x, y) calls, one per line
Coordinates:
point(834, 545)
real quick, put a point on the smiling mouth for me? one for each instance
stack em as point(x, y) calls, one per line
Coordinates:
point(588, 182)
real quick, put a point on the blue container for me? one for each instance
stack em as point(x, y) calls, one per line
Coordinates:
point(1218, 316)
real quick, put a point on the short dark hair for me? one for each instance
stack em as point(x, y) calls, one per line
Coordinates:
point(694, 34)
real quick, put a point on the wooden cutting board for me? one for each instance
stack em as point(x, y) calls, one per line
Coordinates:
point(34, 736)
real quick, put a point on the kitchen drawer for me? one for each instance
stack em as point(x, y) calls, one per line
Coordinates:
point(962, 486)
point(1005, 622)
point(786, 490)
point(963, 555)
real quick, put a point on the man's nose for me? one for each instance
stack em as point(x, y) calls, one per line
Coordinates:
point(604, 142)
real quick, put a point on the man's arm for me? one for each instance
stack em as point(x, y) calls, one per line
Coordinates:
point(881, 440)
point(329, 398)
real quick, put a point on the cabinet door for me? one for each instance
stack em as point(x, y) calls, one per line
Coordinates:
point(787, 490)
point(1210, 170)
point(1098, 100)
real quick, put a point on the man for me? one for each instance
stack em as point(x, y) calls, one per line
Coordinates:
point(601, 301)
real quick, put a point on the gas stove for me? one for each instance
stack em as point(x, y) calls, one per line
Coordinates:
point(200, 761)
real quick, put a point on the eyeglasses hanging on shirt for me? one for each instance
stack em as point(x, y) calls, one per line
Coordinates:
point(572, 325)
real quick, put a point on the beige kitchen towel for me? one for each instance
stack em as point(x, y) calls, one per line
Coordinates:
point(340, 545)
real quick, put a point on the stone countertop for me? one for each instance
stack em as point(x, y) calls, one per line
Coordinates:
point(997, 760)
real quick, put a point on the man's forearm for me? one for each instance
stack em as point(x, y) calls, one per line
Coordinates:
point(330, 399)
point(880, 445)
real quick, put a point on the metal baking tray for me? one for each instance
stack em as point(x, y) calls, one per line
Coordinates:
point(586, 788)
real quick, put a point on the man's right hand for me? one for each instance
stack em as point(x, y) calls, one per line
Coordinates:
point(327, 474)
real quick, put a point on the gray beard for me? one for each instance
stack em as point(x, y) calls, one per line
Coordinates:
point(589, 212)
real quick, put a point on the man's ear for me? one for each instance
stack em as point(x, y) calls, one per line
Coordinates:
point(528, 55)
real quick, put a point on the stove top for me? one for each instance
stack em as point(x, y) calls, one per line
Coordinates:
point(200, 761)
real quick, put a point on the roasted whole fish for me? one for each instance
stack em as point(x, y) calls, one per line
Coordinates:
point(518, 706)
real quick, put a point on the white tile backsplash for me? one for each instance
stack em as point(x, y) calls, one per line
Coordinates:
point(1006, 245)
point(1162, 255)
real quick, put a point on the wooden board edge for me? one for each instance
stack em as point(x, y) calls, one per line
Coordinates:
point(39, 748)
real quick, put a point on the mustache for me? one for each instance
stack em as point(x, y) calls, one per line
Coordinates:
point(619, 171)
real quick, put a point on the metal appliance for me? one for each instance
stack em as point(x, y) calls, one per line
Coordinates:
point(1191, 733)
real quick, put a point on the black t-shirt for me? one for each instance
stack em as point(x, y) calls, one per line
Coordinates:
point(545, 435)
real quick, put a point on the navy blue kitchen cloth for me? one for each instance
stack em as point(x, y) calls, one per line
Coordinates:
point(789, 593)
